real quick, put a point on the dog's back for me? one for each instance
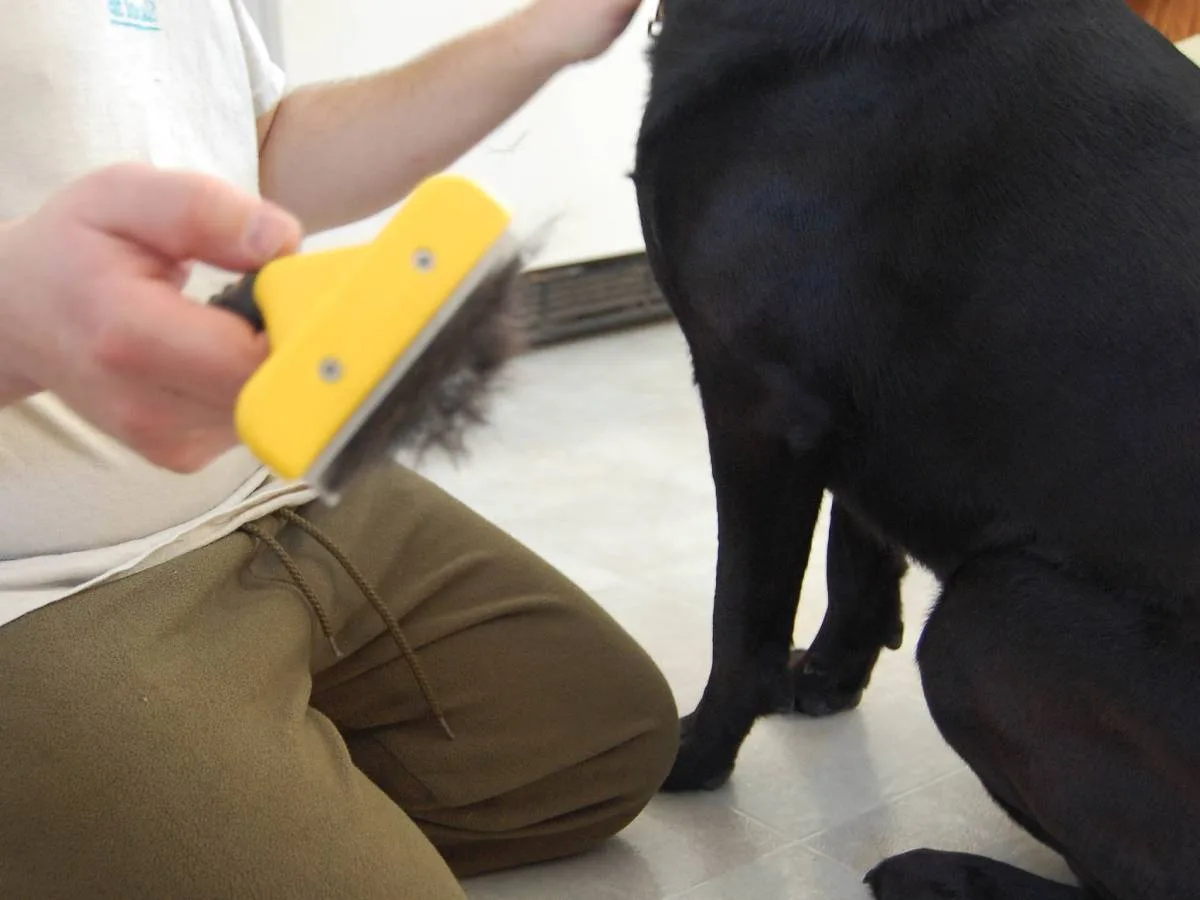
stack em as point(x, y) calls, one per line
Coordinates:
point(970, 253)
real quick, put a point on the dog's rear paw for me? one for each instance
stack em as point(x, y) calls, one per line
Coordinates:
point(698, 767)
point(820, 691)
point(936, 875)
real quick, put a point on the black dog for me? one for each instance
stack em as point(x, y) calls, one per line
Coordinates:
point(941, 258)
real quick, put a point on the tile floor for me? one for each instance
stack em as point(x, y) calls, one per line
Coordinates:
point(597, 460)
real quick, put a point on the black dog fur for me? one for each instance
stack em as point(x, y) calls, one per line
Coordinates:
point(941, 258)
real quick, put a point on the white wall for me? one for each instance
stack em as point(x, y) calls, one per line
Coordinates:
point(566, 154)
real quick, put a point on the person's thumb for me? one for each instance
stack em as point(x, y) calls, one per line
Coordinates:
point(186, 216)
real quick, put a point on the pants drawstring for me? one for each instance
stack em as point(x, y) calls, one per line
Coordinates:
point(371, 595)
point(299, 580)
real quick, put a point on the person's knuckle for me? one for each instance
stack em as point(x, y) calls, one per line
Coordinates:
point(115, 349)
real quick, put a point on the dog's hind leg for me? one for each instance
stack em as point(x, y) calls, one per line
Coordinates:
point(863, 616)
point(768, 494)
point(1076, 707)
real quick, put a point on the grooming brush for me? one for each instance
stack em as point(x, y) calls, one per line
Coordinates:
point(383, 347)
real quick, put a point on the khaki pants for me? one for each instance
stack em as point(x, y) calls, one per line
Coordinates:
point(189, 733)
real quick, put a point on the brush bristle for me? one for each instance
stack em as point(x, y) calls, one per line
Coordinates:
point(447, 391)
point(462, 367)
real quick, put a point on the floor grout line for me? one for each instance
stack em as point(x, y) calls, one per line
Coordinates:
point(791, 845)
point(889, 801)
point(928, 784)
point(841, 864)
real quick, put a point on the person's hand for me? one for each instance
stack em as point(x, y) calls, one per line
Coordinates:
point(577, 30)
point(91, 307)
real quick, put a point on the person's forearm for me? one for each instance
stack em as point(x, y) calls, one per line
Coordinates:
point(337, 153)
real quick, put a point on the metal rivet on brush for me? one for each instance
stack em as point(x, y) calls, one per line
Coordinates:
point(424, 260)
point(331, 370)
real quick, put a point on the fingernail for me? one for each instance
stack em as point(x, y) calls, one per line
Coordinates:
point(268, 233)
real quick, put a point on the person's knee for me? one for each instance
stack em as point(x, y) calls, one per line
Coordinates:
point(661, 738)
point(589, 801)
point(632, 728)
point(650, 716)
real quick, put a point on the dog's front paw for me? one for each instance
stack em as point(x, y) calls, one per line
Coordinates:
point(938, 875)
point(825, 691)
point(699, 765)
point(917, 875)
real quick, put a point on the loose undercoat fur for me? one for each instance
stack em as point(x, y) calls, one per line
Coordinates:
point(941, 258)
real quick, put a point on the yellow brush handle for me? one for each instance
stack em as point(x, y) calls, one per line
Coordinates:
point(340, 320)
point(312, 274)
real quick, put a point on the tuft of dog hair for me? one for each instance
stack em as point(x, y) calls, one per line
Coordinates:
point(447, 392)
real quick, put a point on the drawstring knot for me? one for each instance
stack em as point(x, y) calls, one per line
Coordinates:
point(371, 595)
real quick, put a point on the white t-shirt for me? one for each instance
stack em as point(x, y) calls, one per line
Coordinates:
point(86, 83)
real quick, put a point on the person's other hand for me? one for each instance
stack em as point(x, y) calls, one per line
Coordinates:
point(92, 309)
point(578, 30)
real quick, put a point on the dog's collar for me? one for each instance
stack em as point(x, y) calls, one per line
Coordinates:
point(656, 24)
